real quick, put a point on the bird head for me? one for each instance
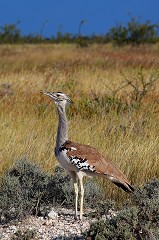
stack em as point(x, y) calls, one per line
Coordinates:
point(59, 98)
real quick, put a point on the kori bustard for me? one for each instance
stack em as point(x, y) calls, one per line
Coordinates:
point(81, 160)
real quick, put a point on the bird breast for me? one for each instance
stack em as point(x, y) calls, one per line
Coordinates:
point(64, 160)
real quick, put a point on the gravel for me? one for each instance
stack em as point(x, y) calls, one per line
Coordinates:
point(59, 224)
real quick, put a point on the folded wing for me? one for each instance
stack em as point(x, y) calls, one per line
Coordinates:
point(88, 159)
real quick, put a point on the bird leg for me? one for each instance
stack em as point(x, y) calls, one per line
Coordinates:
point(76, 197)
point(82, 196)
point(75, 184)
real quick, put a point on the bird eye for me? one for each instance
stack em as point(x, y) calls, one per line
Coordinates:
point(58, 95)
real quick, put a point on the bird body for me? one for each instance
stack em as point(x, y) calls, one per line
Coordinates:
point(82, 160)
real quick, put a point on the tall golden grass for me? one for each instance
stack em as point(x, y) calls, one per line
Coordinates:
point(29, 121)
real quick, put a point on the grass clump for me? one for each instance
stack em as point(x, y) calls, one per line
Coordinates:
point(136, 222)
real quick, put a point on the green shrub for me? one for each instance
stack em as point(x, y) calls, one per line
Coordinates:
point(134, 32)
point(22, 188)
point(137, 222)
point(101, 105)
point(26, 189)
point(9, 33)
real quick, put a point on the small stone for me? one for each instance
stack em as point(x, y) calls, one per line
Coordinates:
point(40, 230)
point(13, 228)
point(53, 215)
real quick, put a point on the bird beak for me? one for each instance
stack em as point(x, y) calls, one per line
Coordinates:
point(49, 94)
point(46, 93)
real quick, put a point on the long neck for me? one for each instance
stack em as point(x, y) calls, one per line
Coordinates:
point(62, 133)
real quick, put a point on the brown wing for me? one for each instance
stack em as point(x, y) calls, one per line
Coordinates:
point(100, 164)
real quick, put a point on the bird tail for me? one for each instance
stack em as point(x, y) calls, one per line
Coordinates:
point(125, 186)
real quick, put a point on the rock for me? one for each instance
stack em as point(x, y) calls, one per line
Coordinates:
point(53, 215)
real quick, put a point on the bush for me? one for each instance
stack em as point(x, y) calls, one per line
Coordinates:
point(23, 189)
point(26, 189)
point(134, 33)
point(141, 85)
point(138, 222)
point(9, 33)
point(100, 105)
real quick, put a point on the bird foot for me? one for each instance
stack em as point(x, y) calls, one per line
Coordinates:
point(78, 219)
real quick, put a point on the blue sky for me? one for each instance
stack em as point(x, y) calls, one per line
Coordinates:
point(50, 16)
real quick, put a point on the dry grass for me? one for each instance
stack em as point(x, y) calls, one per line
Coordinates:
point(29, 121)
